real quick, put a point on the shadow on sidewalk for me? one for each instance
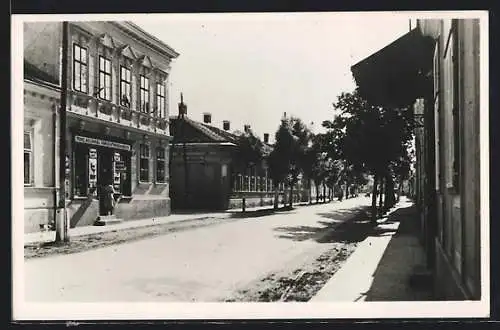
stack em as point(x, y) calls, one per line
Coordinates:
point(403, 255)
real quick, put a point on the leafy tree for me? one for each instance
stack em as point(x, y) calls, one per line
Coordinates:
point(279, 158)
point(370, 139)
point(290, 154)
point(250, 150)
point(301, 137)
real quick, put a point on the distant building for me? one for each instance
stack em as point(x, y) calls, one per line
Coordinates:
point(215, 179)
point(117, 120)
point(435, 69)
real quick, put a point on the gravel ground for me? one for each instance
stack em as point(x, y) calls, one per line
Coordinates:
point(93, 241)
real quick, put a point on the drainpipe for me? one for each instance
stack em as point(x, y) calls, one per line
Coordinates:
point(54, 168)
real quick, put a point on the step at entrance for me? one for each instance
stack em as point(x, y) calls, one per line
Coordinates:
point(104, 220)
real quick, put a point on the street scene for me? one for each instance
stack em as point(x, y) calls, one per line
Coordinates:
point(252, 158)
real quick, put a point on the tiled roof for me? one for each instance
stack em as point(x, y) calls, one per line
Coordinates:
point(32, 72)
point(215, 134)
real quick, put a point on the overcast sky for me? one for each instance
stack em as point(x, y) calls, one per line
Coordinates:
point(250, 68)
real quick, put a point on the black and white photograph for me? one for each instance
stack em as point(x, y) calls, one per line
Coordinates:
point(250, 165)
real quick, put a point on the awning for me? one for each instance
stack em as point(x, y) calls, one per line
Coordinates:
point(397, 74)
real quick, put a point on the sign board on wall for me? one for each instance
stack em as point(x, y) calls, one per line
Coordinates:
point(92, 168)
point(102, 143)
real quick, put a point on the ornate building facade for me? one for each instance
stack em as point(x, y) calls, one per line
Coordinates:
point(117, 128)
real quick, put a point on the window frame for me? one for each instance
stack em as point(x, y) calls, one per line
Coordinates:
point(83, 67)
point(456, 120)
point(161, 160)
point(452, 120)
point(437, 111)
point(125, 82)
point(105, 92)
point(142, 157)
point(28, 151)
point(144, 93)
point(160, 100)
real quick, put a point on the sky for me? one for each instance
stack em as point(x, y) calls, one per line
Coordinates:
point(251, 68)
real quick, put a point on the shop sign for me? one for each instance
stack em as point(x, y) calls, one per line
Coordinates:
point(102, 143)
point(120, 166)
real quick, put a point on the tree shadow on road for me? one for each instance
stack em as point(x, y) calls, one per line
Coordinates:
point(345, 226)
point(349, 226)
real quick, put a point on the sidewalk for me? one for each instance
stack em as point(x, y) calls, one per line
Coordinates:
point(381, 266)
point(49, 236)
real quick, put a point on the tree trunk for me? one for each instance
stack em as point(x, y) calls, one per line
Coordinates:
point(389, 199)
point(324, 192)
point(316, 185)
point(381, 194)
point(291, 195)
point(309, 191)
point(374, 199)
point(400, 188)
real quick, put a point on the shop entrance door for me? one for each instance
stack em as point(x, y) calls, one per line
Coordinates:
point(105, 174)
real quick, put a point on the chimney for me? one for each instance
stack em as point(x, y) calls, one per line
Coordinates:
point(207, 117)
point(225, 125)
point(266, 138)
point(246, 128)
point(182, 107)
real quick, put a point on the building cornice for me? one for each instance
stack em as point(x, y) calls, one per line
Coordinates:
point(41, 88)
point(150, 40)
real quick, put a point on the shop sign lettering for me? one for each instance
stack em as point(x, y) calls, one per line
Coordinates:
point(102, 143)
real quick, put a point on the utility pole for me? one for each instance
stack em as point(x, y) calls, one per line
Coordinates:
point(61, 218)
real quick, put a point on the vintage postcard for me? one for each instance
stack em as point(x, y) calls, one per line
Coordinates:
point(250, 166)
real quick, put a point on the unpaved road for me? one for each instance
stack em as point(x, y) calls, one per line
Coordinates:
point(201, 264)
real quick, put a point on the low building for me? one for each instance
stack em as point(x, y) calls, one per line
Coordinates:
point(117, 128)
point(41, 99)
point(205, 172)
point(433, 71)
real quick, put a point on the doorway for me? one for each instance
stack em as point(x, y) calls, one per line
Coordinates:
point(105, 175)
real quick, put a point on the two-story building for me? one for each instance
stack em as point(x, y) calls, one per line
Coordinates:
point(117, 128)
point(434, 71)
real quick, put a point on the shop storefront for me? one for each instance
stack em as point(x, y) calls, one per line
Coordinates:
point(99, 162)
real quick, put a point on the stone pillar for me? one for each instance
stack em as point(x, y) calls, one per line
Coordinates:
point(134, 165)
point(115, 78)
point(134, 86)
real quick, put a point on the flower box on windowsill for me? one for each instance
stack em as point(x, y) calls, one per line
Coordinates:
point(145, 119)
point(162, 124)
point(106, 108)
point(126, 114)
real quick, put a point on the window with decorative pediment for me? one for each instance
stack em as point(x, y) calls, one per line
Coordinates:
point(104, 78)
point(144, 94)
point(160, 100)
point(125, 83)
point(80, 68)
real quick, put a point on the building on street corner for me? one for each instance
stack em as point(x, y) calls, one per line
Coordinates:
point(117, 129)
point(434, 71)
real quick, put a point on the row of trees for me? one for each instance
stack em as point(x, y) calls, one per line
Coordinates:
point(361, 141)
